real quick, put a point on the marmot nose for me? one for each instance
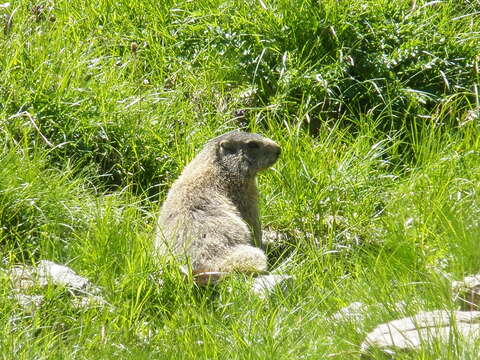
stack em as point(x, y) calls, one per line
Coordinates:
point(277, 150)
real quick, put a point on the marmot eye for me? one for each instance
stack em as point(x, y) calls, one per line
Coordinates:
point(228, 147)
point(253, 145)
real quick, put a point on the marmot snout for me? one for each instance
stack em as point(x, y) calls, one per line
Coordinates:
point(210, 217)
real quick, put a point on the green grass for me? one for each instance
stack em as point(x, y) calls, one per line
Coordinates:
point(375, 104)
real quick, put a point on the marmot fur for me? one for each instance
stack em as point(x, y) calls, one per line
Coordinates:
point(210, 218)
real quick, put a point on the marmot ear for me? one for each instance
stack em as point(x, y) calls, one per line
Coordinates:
point(227, 146)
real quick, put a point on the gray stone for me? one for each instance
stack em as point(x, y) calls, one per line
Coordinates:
point(48, 271)
point(27, 283)
point(24, 277)
point(89, 301)
point(264, 285)
point(28, 302)
point(408, 334)
point(355, 311)
point(467, 292)
point(358, 311)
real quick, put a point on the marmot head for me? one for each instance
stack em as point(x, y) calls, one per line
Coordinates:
point(244, 154)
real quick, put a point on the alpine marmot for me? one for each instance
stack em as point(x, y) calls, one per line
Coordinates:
point(210, 218)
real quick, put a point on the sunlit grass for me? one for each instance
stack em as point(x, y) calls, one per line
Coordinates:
point(374, 103)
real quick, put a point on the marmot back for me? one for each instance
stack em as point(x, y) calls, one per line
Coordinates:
point(210, 217)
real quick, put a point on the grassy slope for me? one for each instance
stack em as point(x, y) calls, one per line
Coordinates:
point(373, 102)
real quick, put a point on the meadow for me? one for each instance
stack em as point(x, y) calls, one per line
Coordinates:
point(377, 192)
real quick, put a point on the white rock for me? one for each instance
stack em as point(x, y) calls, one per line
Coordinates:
point(358, 311)
point(22, 277)
point(28, 279)
point(264, 285)
point(28, 302)
point(48, 271)
point(411, 332)
point(84, 302)
point(355, 311)
point(467, 292)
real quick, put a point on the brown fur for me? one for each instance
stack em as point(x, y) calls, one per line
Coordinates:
point(210, 217)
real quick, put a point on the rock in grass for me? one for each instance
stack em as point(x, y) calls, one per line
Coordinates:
point(47, 272)
point(28, 302)
point(264, 285)
point(356, 311)
point(27, 283)
point(359, 311)
point(467, 292)
point(409, 333)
